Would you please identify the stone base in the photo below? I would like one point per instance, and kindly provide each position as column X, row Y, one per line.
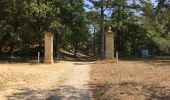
column 48, row 61
column 113, row 59
column 109, row 58
column 108, row 61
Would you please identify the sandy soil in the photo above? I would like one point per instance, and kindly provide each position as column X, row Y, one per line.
column 126, row 80
column 130, row 80
column 61, row 81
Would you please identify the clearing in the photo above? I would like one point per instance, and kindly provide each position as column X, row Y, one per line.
column 102, row 80
column 131, row 80
column 64, row 80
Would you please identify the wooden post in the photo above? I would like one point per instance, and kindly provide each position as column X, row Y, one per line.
column 117, row 57
column 38, row 57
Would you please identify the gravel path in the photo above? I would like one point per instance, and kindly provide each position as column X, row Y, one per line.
column 61, row 81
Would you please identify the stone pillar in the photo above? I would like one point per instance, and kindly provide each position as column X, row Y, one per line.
column 109, row 50
column 48, row 48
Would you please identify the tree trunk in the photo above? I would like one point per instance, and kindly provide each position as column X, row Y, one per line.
column 102, row 30
column 11, row 50
column 122, row 41
column 94, row 42
column 0, row 49
column 39, row 48
column 75, row 49
column 118, row 40
column 57, row 47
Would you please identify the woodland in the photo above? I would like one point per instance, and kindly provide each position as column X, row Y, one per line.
column 79, row 26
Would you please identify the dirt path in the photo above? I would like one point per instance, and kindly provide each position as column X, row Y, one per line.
column 61, row 81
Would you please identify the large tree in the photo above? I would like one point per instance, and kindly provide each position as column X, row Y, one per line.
column 26, row 21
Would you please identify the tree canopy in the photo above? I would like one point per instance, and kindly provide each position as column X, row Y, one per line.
column 137, row 24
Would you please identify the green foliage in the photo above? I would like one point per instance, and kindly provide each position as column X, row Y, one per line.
column 157, row 25
column 26, row 21
column 137, row 25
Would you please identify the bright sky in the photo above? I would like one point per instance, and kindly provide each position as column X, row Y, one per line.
column 87, row 2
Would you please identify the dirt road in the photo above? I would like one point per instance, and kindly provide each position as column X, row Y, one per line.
column 61, row 81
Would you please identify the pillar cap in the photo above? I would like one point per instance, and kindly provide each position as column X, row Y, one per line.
column 109, row 32
column 109, row 29
column 48, row 33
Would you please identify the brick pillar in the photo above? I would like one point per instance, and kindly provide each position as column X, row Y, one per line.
column 109, row 50
column 48, row 48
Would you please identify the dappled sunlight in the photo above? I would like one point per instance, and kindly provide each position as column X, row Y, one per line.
column 57, row 93
column 129, row 91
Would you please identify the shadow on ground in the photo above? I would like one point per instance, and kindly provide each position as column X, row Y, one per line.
column 83, row 63
column 129, row 90
column 60, row 93
column 119, row 91
column 17, row 60
column 158, row 62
